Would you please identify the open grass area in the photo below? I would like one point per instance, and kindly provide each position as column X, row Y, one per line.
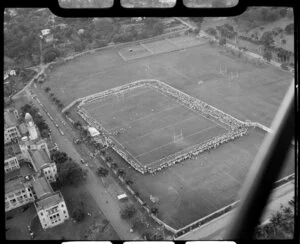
column 255, row 95
column 148, row 120
column 195, row 188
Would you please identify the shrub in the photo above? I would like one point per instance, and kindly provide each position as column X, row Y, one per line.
column 289, row 29
column 78, row 214
column 128, row 212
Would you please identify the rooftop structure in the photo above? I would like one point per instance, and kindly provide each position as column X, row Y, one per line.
column 14, row 184
column 12, row 175
column 41, row 187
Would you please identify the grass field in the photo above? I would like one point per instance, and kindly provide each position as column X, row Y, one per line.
column 195, row 188
column 198, row 187
column 150, row 120
column 256, row 95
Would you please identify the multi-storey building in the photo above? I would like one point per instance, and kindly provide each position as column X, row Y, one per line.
column 18, row 191
column 29, row 171
column 11, row 131
column 51, row 207
column 43, row 165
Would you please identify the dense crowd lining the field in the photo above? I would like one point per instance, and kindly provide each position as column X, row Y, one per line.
column 234, row 127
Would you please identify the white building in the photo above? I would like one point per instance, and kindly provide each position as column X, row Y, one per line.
column 52, row 210
column 11, row 164
column 33, row 132
column 45, row 32
column 93, row 131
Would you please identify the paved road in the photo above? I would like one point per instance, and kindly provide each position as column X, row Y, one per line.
column 103, row 194
column 214, row 230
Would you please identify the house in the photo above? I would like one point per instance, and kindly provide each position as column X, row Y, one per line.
column 49, row 38
column 45, row 32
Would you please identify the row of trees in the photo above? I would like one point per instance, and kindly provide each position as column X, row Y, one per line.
column 54, row 99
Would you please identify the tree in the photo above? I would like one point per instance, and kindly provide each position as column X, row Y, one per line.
column 51, row 94
column 121, row 172
column 108, row 159
column 45, row 133
column 222, row 41
column 267, row 55
column 59, row 157
column 129, row 182
column 267, row 39
column 78, row 214
column 50, row 55
column 102, row 172
column 198, row 21
column 154, row 210
column 289, row 29
column 114, row 165
column 211, row 31
column 77, row 125
column 128, row 212
column 70, row 173
column 47, row 89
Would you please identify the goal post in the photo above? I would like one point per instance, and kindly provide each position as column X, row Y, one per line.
column 177, row 137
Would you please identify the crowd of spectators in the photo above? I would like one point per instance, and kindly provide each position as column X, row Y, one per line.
column 235, row 128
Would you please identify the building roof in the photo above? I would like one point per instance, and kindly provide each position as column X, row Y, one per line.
column 41, row 187
column 93, row 131
column 40, row 158
column 33, row 134
column 14, row 185
column 12, row 175
column 11, row 150
column 49, row 201
column 9, row 119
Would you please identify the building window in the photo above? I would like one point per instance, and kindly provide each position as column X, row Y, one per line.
column 64, row 212
column 41, row 213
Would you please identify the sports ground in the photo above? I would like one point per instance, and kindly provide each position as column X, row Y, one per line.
column 192, row 189
column 151, row 124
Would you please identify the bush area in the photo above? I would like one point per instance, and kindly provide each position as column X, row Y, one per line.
column 22, row 30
